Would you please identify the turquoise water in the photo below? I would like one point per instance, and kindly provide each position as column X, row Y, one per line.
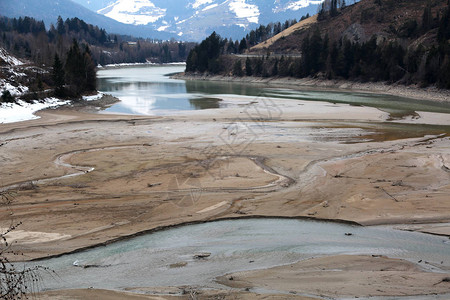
column 234, row 246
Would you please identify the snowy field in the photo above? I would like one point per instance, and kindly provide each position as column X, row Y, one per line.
column 22, row 111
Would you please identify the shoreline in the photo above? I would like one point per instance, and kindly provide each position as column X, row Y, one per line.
column 132, row 192
column 414, row 92
column 197, row 222
column 83, row 111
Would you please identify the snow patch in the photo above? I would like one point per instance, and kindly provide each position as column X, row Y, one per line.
column 296, row 5
column 13, row 90
column 199, row 3
column 163, row 28
column 136, row 12
column 22, row 111
column 93, row 97
column 244, row 10
column 210, row 7
column 10, row 60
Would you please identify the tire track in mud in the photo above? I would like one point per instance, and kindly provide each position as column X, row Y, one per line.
column 314, row 169
column 61, row 160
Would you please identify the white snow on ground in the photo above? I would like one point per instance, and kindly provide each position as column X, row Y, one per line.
column 22, row 111
column 139, row 64
column 14, row 90
column 245, row 10
column 10, row 72
column 93, row 97
column 12, row 61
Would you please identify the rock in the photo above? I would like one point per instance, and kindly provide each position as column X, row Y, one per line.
column 202, row 255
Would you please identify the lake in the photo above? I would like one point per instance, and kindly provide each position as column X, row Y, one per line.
column 149, row 90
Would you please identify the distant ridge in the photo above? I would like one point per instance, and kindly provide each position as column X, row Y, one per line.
column 194, row 20
column 49, row 10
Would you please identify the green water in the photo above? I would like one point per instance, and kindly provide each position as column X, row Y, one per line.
column 147, row 90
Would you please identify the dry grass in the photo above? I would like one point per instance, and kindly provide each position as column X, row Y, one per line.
column 300, row 25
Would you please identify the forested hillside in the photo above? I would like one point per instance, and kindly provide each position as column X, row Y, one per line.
column 28, row 38
column 374, row 40
column 62, row 60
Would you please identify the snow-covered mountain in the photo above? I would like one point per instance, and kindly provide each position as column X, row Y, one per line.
column 164, row 19
column 49, row 10
column 195, row 19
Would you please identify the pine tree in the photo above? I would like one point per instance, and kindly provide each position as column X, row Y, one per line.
column 80, row 70
column 275, row 68
column 427, row 19
column 6, row 97
column 237, row 68
column 248, row 67
column 90, row 76
column 74, row 68
column 58, row 77
column 192, row 61
column 243, row 45
column 60, row 26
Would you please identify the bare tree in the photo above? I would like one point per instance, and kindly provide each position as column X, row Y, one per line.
column 15, row 282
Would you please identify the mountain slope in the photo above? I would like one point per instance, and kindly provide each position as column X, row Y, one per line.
column 395, row 41
column 390, row 21
column 196, row 19
column 302, row 25
column 49, row 10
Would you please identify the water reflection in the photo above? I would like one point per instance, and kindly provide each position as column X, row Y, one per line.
column 205, row 103
column 147, row 90
column 221, row 88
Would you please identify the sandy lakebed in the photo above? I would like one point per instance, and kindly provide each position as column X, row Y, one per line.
column 82, row 179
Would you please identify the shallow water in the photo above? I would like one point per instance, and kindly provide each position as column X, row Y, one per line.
column 235, row 245
column 147, row 90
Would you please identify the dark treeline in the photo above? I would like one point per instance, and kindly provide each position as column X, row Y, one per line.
column 331, row 8
column 205, row 56
column 374, row 60
column 77, row 75
column 28, row 38
column 73, row 49
column 263, row 33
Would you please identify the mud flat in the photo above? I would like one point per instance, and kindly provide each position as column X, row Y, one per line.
column 82, row 179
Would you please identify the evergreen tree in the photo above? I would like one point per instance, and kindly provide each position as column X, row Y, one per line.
column 80, row 70
column 237, row 68
column 74, row 68
column 275, row 68
column 7, row 97
column 58, row 77
column 60, row 26
column 315, row 49
column 90, row 74
column 248, row 67
column 427, row 19
column 243, row 45
column 192, row 61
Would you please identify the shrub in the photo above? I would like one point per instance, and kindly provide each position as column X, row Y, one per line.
column 7, row 97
